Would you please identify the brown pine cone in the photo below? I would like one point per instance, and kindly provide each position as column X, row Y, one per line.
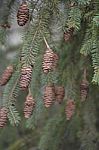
column 49, row 95
column 26, row 74
column 55, row 62
column 68, row 35
column 23, row 14
column 48, row 60
column 6, row 75
column 84, row 88
column 60, row 93
column 29, row 106
column 70, row 109
column 3, row 117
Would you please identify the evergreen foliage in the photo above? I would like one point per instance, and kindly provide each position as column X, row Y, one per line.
column 48, row 22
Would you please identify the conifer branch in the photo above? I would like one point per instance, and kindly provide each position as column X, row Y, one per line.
column 9, row 98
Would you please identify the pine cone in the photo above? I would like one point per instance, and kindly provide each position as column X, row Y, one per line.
column 55, row 62
column 60, row 93
column 3, row 117
column 70, row 108
column 68, row 35
column 26, row 74
column 49, row 95
column 48, row 61
column 23, row 14
column 84, row 88
column 29, row 106
column 6, row 75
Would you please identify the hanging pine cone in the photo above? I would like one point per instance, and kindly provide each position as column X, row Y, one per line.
column 26, row 74
column 55, row 62
column 68, row 35
column 60, row 93
column 6, row 75
column 48, row 60
column 23, row 14
column 3, row 117
column 29, row 106
column 70, row 108
column 49, row 95
column 84, row 87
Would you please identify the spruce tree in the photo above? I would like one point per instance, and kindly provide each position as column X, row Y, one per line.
column 57, row 65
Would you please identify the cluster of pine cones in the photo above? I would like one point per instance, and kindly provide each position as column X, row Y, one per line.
column 49, row 98
column 29, row 105
column 56, row 93
column 52, row 93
